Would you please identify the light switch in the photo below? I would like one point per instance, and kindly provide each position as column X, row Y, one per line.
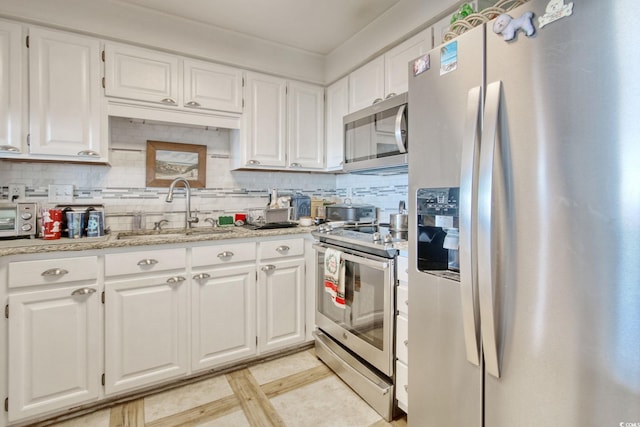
column 60, row 193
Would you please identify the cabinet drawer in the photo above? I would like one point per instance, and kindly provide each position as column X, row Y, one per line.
column 402, row 386
column 52, row 271
column 281, row 248
column 226, row 253
column 403, row 269
column 402, row 339
column 144, row 261
column 402, row 302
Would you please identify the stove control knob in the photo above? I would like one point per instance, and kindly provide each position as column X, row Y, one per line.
column 387, row 238
column 376, row 236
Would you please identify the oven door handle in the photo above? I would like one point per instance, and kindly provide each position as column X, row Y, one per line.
column 381, row 265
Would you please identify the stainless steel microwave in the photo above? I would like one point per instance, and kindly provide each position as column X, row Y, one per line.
column 375, row 138
column 17, row 219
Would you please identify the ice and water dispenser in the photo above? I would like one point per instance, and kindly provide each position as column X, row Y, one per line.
column 437, row 215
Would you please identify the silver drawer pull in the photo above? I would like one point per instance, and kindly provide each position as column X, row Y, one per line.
column 147, row 261
column 9, row 148
column 253, row 162
column 225, row 254
column 296, row 165
column 268, row 268
column 406, row 342
column 88, row 153
column 192, row 104
column 83, row 291
column 201, row 276
column 175, row 279
column 168, row 101
column 283, row 248
column 55, row 272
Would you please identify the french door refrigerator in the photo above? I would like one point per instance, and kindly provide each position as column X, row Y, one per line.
column 541, row 135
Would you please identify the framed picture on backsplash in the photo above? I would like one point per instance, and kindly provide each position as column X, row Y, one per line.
column 167, row 161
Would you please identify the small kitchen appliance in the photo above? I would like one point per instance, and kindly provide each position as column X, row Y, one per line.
column 18, row 219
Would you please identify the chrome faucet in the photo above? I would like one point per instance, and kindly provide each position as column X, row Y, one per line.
column 188, row 219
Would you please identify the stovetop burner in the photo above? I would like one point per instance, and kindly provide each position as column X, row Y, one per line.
column 370, row 238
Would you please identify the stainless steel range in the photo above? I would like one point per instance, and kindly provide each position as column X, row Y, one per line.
column 356, row 339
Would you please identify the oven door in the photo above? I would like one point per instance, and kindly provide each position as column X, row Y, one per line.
column 365, row 324
column 8, row 220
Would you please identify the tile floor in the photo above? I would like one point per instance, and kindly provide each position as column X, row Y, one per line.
column 295, row 390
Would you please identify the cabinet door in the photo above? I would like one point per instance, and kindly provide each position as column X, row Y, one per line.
column 65, row 108
column 11, row 89
column 54, row 350
column 141, row 74
column 146, row 331
column 366, row 85
column 280, row 304
column 212, row 86
column 337, row 108
column 305, row 112
column 397, row 62
column 265, row 120
column 222, row 315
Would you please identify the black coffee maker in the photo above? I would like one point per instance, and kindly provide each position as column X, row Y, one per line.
column 437, row 216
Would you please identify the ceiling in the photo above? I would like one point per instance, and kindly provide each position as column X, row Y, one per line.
column 317, row 26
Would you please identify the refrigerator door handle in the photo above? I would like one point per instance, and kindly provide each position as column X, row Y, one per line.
column 399, row 133
column 467, row 201
column 484, row 249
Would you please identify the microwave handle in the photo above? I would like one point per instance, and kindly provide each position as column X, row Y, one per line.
column 399, row 115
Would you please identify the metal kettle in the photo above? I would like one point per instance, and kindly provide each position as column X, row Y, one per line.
column 399, row 221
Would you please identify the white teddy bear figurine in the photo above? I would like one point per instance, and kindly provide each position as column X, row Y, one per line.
column 508, row 26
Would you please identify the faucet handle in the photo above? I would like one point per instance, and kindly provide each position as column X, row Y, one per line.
column 158, row 225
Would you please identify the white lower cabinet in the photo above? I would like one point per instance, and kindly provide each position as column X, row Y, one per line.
column 146, row 331
column 54, row 337
column 402, row 335
column 146, row 318
column 223, row 304
column 281, row 294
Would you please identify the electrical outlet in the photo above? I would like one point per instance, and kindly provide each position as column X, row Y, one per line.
column 60, row 193
column 16, row 192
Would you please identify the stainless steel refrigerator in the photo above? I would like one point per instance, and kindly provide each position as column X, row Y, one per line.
column 541, row 134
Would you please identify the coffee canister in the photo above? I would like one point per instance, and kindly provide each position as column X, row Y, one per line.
column 95, row 224
column 51, row 223
column 75, row 224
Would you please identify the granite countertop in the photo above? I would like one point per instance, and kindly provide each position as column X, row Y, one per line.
column 132, row 239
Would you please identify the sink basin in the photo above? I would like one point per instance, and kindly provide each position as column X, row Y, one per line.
column 170, row 234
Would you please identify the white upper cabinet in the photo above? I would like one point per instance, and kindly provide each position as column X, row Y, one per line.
column 337, row 106
column 396, row 62
column 65, row 100
column 366, row 84
column 283, row 125
column 212, row 86
column 142, row 74
column 305, row 106
column 388, row 74
column 11, row 89
column 146, row 75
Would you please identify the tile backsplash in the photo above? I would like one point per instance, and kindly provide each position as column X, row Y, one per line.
column 121, row 187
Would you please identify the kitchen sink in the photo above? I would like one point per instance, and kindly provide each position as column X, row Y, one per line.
column 169, row 234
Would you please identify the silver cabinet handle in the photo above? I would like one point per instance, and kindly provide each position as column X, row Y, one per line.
column 168, row 101
column 375, row 101
column 406, row 343
column 83, row 291
column 192, row 104
column 147, row 261
column 88, row 153
column 253, row 162
column 296, row 165
column 9, row 148
column 406, row 302
column 225, row 254
column 268, row 268
column 391, row 95
column 406, row 388
column 175, row 279
column 201, row 276
column 283, row 248
column 54, row 272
